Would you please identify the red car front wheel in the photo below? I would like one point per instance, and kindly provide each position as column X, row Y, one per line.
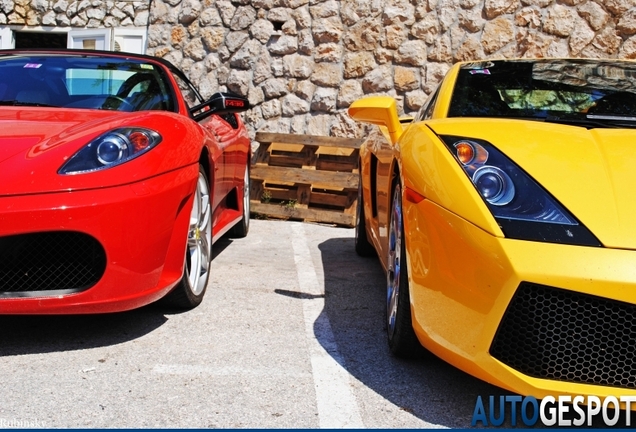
column 196, row 272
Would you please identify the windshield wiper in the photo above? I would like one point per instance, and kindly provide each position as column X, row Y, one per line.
column 611, row 117
column 18, row 103
column 589, row 122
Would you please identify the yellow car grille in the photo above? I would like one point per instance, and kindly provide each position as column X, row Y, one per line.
column 567, row 336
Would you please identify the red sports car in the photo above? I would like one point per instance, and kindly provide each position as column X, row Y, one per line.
column 115, row 179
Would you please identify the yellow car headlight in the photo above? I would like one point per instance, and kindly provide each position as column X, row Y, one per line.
column 522, row 208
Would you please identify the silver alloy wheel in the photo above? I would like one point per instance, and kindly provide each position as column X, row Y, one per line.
column 199, row 239
column 394, row 261
column 246, row 196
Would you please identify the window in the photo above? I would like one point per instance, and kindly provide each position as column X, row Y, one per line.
column 95, row 82
column 124, row 39
column 426, row 112
column 546, row 89
column 190, row 95
column 81, row 81
column 6, row 38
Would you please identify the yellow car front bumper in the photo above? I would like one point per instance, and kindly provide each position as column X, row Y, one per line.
column 535, row 318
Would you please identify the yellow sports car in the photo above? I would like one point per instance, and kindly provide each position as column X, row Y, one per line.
column 504, row 214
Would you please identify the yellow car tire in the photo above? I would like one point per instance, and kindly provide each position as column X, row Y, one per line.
column 401, row 337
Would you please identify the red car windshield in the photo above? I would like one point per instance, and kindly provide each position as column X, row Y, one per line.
column 92, row 82
column 596, row 93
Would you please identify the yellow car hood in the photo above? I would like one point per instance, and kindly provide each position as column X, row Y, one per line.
column 591, row 172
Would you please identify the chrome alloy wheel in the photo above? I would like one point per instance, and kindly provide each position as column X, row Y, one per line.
column 246, row 196
column 199, row 239
column 394, row 261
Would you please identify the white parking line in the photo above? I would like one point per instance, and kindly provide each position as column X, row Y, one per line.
column 337, row 405
column 189, row 369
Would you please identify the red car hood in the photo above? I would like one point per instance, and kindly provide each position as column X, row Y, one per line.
column 32, row 131
column 36, row 142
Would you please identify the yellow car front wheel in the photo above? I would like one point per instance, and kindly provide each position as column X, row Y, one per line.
column 401, row 337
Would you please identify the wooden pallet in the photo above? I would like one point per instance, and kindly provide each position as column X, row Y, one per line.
column 305, row 177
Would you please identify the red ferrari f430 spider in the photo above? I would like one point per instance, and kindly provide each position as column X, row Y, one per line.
column 116, row 177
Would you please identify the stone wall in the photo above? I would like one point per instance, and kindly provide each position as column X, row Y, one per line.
column 302, row 62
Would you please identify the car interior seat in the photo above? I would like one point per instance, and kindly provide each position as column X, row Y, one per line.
column 33, row 97
column 143, row 92
column 478, row 101
column 41, row 88
column 619, row 104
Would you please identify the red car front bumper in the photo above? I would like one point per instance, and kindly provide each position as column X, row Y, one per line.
column 142, row 228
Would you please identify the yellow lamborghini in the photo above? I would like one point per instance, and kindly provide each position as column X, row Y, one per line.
column 504, row 215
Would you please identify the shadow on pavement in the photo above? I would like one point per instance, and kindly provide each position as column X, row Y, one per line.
column 32, row 334
column 428, row 388
column 27, row 334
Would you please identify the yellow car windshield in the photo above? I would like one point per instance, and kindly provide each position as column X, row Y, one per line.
column 589, row 90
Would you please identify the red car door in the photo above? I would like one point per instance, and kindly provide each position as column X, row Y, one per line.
column 220, row 133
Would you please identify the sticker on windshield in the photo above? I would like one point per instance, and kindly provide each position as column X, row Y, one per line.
column 32, row 65
column 478, row 65
column 145, row 66
column 480, row 71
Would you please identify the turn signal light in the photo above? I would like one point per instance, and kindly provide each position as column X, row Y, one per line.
column 465, row 152
column 411, row 196
column 139, row 140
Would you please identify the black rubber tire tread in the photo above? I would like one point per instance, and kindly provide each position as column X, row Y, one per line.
column 364, row 248
column 182, row 297
column 403, row 343
column 241, row 229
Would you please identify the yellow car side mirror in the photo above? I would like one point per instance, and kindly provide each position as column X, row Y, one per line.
column 378, row 110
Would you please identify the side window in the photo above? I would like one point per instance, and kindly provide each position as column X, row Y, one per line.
column 189, row 94
column 426, row 112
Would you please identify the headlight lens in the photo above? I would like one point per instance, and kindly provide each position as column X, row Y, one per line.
column 110, row 149
column 494, row 185
column 516, row 200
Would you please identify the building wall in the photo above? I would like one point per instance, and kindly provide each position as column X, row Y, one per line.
column 302, row 62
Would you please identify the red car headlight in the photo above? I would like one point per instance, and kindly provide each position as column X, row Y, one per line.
column 111, row 149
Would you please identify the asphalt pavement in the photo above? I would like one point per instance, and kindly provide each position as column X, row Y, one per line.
column 289, row 335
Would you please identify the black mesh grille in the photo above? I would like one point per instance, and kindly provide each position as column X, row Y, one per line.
column 567, row 336
column 50, row 261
